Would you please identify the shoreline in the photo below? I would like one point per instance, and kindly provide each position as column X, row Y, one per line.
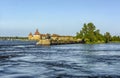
column 57, row 42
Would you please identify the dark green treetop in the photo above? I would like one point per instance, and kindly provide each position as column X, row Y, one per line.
column 90, row 34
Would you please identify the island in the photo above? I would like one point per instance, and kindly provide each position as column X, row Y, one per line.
column 54, row 39
column 88, row 34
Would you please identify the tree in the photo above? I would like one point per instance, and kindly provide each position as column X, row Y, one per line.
column 90, row 34
column 87, row 32
column 99, row 36
column 107, row 37
column 115, row 38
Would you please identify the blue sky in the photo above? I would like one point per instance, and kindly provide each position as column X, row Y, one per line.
column 65, row 17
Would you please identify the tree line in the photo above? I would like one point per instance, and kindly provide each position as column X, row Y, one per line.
column 89, row 34
column 13, row 38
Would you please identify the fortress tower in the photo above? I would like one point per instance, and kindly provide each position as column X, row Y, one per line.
column 30, row 36
column 36, row 35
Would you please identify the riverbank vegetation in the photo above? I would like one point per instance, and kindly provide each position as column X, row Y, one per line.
column 14, row 38
column 89, row 34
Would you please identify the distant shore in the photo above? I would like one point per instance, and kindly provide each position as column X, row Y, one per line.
column 14, row 38
column 53, row 42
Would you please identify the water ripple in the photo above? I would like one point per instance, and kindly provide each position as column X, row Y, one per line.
column 23, row 59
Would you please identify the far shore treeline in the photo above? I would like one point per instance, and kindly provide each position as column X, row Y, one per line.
column 89, row 34
column 14, row 38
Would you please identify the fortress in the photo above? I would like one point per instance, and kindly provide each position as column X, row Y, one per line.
column 37, row 36
column 48, row 39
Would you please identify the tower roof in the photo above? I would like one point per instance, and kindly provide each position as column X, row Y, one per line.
column 30, row 34
column 37, row 32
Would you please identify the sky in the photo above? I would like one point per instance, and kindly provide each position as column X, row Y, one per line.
column 64, row 17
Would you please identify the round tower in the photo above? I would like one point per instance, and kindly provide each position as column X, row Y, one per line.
column 36, row 35
column 30, row 36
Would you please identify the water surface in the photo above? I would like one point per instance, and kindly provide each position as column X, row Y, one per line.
column 23, row 59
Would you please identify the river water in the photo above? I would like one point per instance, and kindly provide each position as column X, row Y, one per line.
column 24, row 59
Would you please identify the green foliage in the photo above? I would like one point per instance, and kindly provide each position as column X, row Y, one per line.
column 90, row 34
column 13, row 38
column 115, row 38
column 107, row 37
